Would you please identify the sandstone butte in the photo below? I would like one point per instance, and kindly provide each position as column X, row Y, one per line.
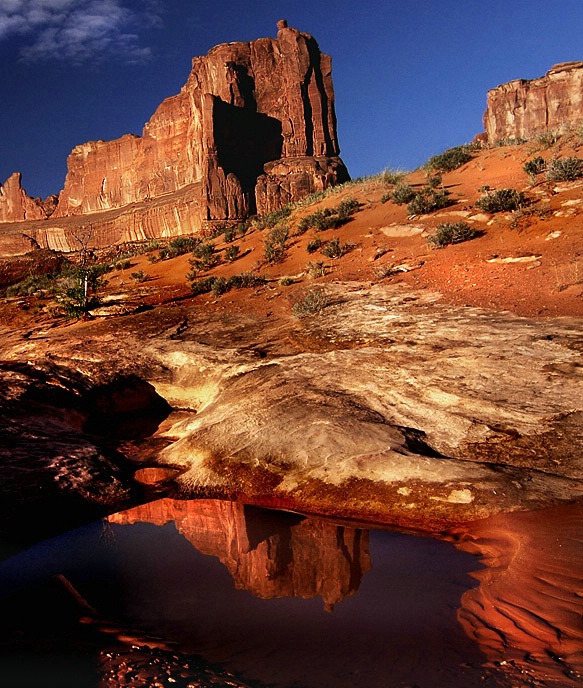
column 253, row 128
column 521, row 109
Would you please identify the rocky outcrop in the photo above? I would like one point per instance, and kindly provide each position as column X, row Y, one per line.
column 520, row 109
column 244, row 105
column 252, row 129
column 17, row 205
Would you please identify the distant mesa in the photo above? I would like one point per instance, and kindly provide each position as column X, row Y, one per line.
column 522, row 109
column 253, row 128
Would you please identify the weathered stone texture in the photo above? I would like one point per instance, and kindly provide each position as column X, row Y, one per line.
column 252, row 129
column 520, row 109
column 17, row 205
column 243, row 105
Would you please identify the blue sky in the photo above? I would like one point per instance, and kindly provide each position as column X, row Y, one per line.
column 410, row 76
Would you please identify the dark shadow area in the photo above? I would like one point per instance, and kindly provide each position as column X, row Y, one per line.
column 245, row 141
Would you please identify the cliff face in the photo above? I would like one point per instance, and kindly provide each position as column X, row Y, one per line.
column 521, row 109
column 16, row 205
column 252, row 129
column 244, row 105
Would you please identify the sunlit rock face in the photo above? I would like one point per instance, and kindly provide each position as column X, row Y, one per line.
column 16, row 205
column 520, row 109
column 271, row 554
column 244, row 105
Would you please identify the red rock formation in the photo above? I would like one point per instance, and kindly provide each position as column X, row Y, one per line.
column 244, row 105
column 521, row 109
column 271, row 554
column 253, row 128
column 17, row 205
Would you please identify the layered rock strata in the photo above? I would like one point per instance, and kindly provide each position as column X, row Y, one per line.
column 252, row 129
column 520, row 109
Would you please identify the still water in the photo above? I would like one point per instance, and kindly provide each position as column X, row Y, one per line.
column 208, row 593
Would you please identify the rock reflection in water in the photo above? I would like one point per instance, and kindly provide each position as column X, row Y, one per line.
column 268, row 553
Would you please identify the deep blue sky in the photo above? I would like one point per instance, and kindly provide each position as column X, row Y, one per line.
column 410, row 76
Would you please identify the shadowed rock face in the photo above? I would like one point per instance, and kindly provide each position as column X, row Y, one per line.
column 252, row 129
column 521, row 109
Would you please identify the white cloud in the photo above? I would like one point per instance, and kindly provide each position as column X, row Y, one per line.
column 77, row 30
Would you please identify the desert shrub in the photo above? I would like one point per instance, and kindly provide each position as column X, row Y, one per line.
column 452, row 233
column 242, row 227
column 564, row 169
column 231, row 253
column 286, row 281
column 546, row 139
column 314, row 244
column 275, row 244
column 316, row 270
column 229, row 234
column 500, row 201
column 123, row 264
column 347, row 208
column 434, row 180
column 245, row 280
column 140, row 276
column 450, row 160
column 427, row 200
column 271, row 219
column 220, row 285
column 178, row 247
column 534, row 166
column 387, row 196
column 33, row 284
column 312, row 302
column 202, row 286
column 403, row 194
column 204, row 256
column 390, row 176
column 334, row 249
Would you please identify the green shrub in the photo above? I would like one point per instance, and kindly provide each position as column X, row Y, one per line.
column 450, row 160
column 123, row 264
column 204, row 256
column 33, row 284
column 433, row 181
column 202, row 286
column 427, row 200
column 313, row 302
column 500, row 201
column 178, row 247
column 452, row 233
column 286, row 281
column 140, row 276
column 334, row 249
column 220, row 285
column 390, row 176
column 271, row 219
column 314, row 244
column 564, row 170
column 347, row 208
column 275, row 244
column 534, row 166
column 232, row 253
column 403, row 194
column 230, row 234
column 245, row 280
column 316, row 270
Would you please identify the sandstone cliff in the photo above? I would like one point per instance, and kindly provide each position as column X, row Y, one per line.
column 521, row 109
column 252, row 129
column 17, row 205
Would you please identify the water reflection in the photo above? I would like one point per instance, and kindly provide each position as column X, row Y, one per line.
column 271, row 554
column 213, row 593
